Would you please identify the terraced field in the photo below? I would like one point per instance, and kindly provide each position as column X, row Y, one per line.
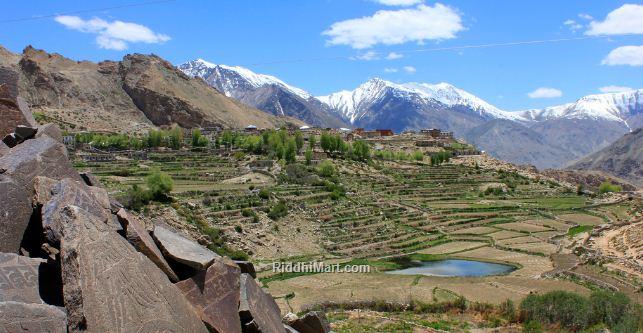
column 390, row 209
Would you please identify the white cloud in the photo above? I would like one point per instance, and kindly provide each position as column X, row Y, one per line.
column 545, row 92
column 391, row 27
column 614, row 89
column 627, row 19
column 625, row 55
column 573, row 25
column 113, row 35
column 409, row 69
column 393, row 56
column 367, row 56
column 390, row 70
column 399, row 2
column 585, row 16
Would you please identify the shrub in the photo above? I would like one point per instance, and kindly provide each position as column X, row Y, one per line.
column 238, row 228
column 278, row 211
column 607, row 187
column 326, row 169
column 159, row 184
column 557, row 307
column 264, row 194
column 608, row 307
column 136, row 198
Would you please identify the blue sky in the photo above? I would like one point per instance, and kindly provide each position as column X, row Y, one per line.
column 329, row 45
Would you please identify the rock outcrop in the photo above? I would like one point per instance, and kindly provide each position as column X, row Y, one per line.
column 74, row 260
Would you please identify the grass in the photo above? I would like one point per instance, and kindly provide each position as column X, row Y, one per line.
column 573, row 231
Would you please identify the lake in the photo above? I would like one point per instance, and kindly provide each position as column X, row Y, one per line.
column 455, row 267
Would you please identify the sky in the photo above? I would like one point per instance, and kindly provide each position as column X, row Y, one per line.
column 324, row 46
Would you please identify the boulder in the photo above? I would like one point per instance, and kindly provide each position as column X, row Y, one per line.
column 138, row 236
column 50, row 130
column 110, row 287
column 69, row 192
column 13, row 109
column 25, row 133
column 42, row 156
column 183, row 250
column 312, row 322
column 16, row 317
column 15, row 214
column 11, row 140
column 289, row 329
column 257, row 309
column 214, row 294
column 90, row 179
column 19, row 278
column 247, row 267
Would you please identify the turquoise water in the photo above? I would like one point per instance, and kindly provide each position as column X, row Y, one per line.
column 455, row 267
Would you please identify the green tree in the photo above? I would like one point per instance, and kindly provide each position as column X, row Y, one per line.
column 312, row 140
column 309, row 156
column 361, row 150
column 325, row 142
column 159, row 184
column 299, row 140
column 607, row 187
column 290, row 153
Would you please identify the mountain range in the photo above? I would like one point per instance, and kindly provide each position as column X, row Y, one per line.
column 137, row 93
column 550, row 137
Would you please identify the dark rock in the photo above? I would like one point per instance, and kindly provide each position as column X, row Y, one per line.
column 50, row 130
column 110, row 287
column 90, row 179
column 69, row 192
column 258, row 310
column 13, row 109
column 183, row 250
column 214, row 294
column 15, row 214
column 312, row 322
column 19, row 278
column 247, row 267
column 25, row 133
column 11, row 140
column 38, row 157
column 138, row 236
column 16, row 317
column 289, row 329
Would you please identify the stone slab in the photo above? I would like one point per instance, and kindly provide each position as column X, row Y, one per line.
column 214, row 294
column 110, row 287
column 16, row 317
column 312, row 322
column 19, row 278
column 257, row 309
column 183, row 250
column 137, row 235
column 42, row 156
column 15, row 214
column 50, row 130
column 69, row 192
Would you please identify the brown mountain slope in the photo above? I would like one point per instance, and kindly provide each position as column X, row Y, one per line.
column 138, row 93
column 623, row 158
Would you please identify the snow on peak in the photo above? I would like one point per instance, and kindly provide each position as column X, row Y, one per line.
column 348, row 102
column 611, row 106
column 204, row 69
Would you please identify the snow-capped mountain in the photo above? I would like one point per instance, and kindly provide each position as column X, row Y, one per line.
column 352, row 105
column 264, row 92
column 549, row 137
column 624, row 107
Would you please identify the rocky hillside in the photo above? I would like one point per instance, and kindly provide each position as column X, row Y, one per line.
column 72, row 259
column 623, row 158
column 139, row 92
column 264, row 92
